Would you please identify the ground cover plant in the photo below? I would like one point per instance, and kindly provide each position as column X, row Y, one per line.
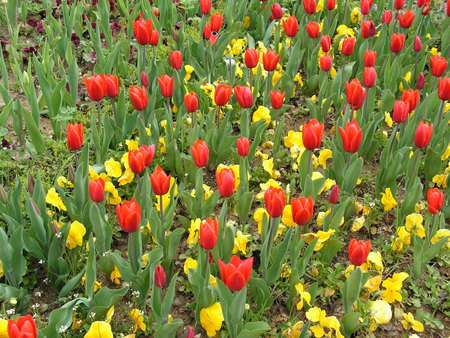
column 240, row 168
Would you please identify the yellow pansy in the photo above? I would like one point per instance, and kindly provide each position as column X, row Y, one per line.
column 355, row 15
column 76, row 323
column 410, row 323
column 434, row 51
column 194, row 231
column 211, row 319
column 392, row 287
column 109, row 314
column 441, row 233
column 53, row 199
column 162, row 145
column 268, row 166
column 189, row 69
column 287, row 219
column 127, row 177
column 298, row 79
column 240, row 243
column 262, row 113
column 358, row 223
column 115, row 276
column 388, row 119
column 440, row 180
column 294, row 138
column 375, row 259
column 138, row 320
column 132, row 144
column 319, row 6
column 388, row 199
column 373, row 283
column 99, row 330
column 75, row 236
column 113, row 196
column 303, row 294
column 446, row 153
column 113, row 168
column 407, row 78
column 190, row 263
column 381, row 311
column 275, row 77
column 294, row 331
column 93, row 175
column 315, row 314
column 258, row 216
column 64, row 182
column 414, row 224
column 3, row 328
column 324, row 156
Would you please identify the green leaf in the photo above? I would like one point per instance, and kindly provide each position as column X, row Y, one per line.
column 91, row 274
column 71, row 284
column 350, row 323
column 254, row 329
column 330, row 249
column 169, row 330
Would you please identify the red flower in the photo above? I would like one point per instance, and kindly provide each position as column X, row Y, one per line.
column 244, row 96
column 369, row 77
column 406, row 19
column 370, row 57
column 309, row 6
column 129, row 215
column 351, row 136
column 112, row 85
column 144, row 79
column 386, row 17
column 312, row 134
column 209, row 231
column 325, row 42
column 358, row 251
column 302, row 209
column 438, row 65
column 154, row 37
column 222, row 95
column 97, row 190
column 243, row 146
column 136, row 160
column 274, row 200
column 139, row 97
column 397, row 41
column 74, row 136
column 444, row 88
column 365, row 7
column 313, row 29
column 417, row 44
column 191, row 102
column 95, row 86
column 216, row 22
column 190, row 333
column 435, row 199
column 143, row 31
column 277, row 12
column 277, row 98
column 368, row 29
column 225, row 182
column 200, row 153
column 166, row 85
column 251, row 58
column 290, row 26
column 331, row 4
column 326, row 62
column 447, row 9
column 236, row 273
column 400, row 112
column 160, row 181
column 207, row 31
column 411, row 97
column 159, row 276
column 205, row 6
column 355, row 93
column 398, row 4
column 176, row 59
column 270, row 60
column 149, row 153
column 426, row 8
column 348, row 46
column 334, row 194
column 420, row 81
column 423, row 134
column 213, row 39
column 22, row 327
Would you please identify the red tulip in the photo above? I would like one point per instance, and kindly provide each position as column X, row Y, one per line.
column 207, row 31
column 159, row 276
column 325, row 42
column 358, row 251
column 417, row 44
column 22, row 327
column 370, row 57
column 365, row 7
column 216, row 22
column 411, row 97
column 225, row 182
column 368, row 29
column 143, row 31
column 213, row 38
column 97, row 190
column 209, row 231
column 176, row 59
column 302, row 209
column 274, row 200
column 309, row 6
column 251, row 58
column 398, row 4
column 277, row 98
column 205, row 6
column 326, row 62
column 243, row 146
column 277, row 11
column 351, row 136
column 334, row 194
column 270, row 60
column 290, row 26
column 129, row 215
column 447, row 9
column 74, row 136
column 435, row 199
column 348, row 46
column 200, row 153
column 423, row 134
column 149, row 153
column 112, row 85
column 369, row 77
column 444, row 88
column 139, row 97
column 190, row 333
column 401, row 111
column 160, row 181
column 236, row 273
column 144, row 79
column 222, row 95
column 386, row 17
column 166, row 85
column 313, row 29
column 136, row 161
column 191, row 102
column 426, row 8
column 244, row 96
column 312, row 134
column 397, row 41
column 154, row 37
column 96, row 86
column 420, row 81
column 438, row 65
column 355, row 93
column 406, row 19
column 331, row 4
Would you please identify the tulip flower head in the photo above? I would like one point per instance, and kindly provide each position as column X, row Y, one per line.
column 129, row 215
column 139, row 97
column 325, row 42
column 225, row 180
column 355, row 93
column 358, row 251
column 136, row 160
column 191, row 102
column 411, row 97
column 417, row 44
column 397, row 42
column 96, row 86
column 420, row 83
column 277, row 11
column 370, row 57
column 406, row 19
column 205, row 6
column 74, row 136
column 270, row 60
column 222, row 95
column 216, row 21
column 243, row 146
column 400, row 112
column 154, row 38
column 159, row 276
column 302, row 209
column 435, row 199
column 166, row 85
column 209, row 231
column 236, row 274
column 143, row 31
column 369, row 77
column 331, row 4
column 277, row 98
column 290, row 26
column 97, row 190
column 348, row 46
column 312, row 134
column 149, row 153
column 423, row 134
column 176, row 59
column 334, row 194
column 274, row 201
column 351, row 136
column 200, row 153
column 22, row 327
column 112, row 85
column 438, row 65
column 326, row 62
column 368, row 29
column 386, row 17
column 160, row 181
column 444, row 88
column 309, row 6
column 313, row 29
column 251, row 58
column 244, row 96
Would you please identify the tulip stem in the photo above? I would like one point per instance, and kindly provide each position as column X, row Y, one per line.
column 163, row 231
column 391, row 146
column 309, row 162
column 76, row 159
column 267, row 95
column 413, row 171
column 343, row 74
column 345, row 11
column 218, row 116
column 206, row 277
column 439, row 117
column 250, row 79
column 132, row 252
column 415, row 67
column 348, row 161
column 99, row 112
column 270, row 244
column 114, row 110
column 138, row 179
column 364, row 112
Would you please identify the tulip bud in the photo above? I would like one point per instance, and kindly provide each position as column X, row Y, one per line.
column 160, row 276
column 358, row 251
column 420, row 81
column 209, row 231
column 30, row 183
column 369, row 77
column 423, row 134
column 277, row 12
column 348, row 46
column 243, row 146
column 71, row 173
column 25, row 79
column 386, row 17
column 144, row 79
column 35, row 206
column 175, row 36
column 334, row 194
column 435, row 199
column 325, row 42
column 326, row 62
column 274, row 201
column 417, row 44
column 190, row 333
column 3, row 195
